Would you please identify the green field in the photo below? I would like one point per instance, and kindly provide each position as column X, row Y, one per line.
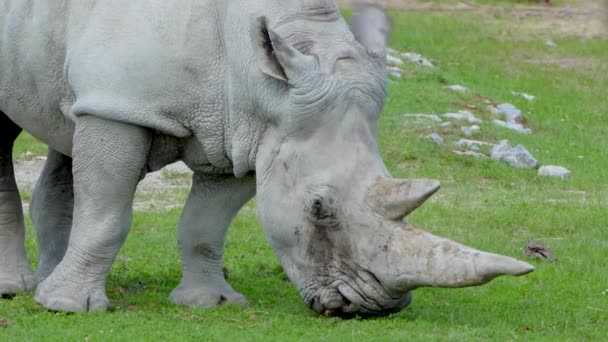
column 484, row 204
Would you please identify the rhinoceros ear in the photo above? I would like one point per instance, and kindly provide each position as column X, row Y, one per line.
column 276, row 57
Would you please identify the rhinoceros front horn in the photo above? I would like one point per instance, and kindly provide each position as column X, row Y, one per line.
column 416, row 258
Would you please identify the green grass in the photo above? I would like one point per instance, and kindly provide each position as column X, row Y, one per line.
column 483, row 204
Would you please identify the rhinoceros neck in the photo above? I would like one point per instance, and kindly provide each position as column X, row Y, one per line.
column 253, row 99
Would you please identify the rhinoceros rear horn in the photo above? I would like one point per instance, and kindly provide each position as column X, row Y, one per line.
column 276, row 57
column 396, row 198
column 371, row 25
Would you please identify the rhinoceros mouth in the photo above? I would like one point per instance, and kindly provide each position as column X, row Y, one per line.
column 347, row 300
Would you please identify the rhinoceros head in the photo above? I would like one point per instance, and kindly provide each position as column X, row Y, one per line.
column 328, row 205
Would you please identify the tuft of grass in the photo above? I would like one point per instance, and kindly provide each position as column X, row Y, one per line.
column 484, row 204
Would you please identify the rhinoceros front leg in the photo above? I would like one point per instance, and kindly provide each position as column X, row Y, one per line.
column 108, row 161
column 51, row 211
column 15, row 272
column 212, row 204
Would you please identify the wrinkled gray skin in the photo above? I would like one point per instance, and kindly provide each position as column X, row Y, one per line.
column 274, row 98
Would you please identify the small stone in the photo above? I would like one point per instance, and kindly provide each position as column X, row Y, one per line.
column 418, row 59
column 436, row 138
column 463, row 115
column 474, row 145
column 470, row 154
column 513, row 126
column 528, row 97
column 550, row 43
column 392, row 60
column 509, row 111
column 605, row 292
column 468, row 131
column 394, row 71
column 516, row 156
column 392, row 52
column 459, row 88
column 537, row 250
column 554, row 171
column 430, row 117
column 446, row 124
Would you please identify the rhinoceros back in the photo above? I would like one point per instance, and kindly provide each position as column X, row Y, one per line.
column 155, row 64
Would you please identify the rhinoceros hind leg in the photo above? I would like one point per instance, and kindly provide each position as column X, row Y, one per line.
column 212, row 204
column 15, row 272
column 109, row 159
column 51, row 210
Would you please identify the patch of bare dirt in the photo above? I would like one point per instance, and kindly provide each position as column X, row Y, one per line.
column 585, row 18
column 150, row 190
column 567, row 62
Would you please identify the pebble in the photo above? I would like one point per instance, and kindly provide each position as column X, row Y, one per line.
column 394, row 71
column 550, row 43
column 470, row 154
column 513, row 126
column 392, row 60
column 431, row 117
column 459, row 88
column 446, row 124
column 554, row 171
column 517, row 156
column 468, row 131
column 392, row 52
column 509, row 111
column 528, row 97
column 463, row 115
column 474, row 145
column 436, row 138
column 418, row 59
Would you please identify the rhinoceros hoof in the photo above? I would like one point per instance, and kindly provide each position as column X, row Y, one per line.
column 11, row 284
column 206, row 296
column 70, row 297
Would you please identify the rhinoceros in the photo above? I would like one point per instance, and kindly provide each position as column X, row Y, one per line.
column 273, row 98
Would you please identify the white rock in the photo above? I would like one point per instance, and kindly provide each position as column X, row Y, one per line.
column 392, row 52
column 394, row 71
column 392, row 60
column 463, row 115
column 474, row 145
column 446, row 124
column 509, row 111
column 554, row 171
column 470, row 154
column 459, row 88
column 468, row 131
column 528, row 97
column 418, row 59
column 431, row 117
column 516, row 156
column 512, row 125
column 436, row 138
column 550, row 43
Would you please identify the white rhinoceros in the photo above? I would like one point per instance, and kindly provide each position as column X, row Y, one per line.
column 273, row 98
